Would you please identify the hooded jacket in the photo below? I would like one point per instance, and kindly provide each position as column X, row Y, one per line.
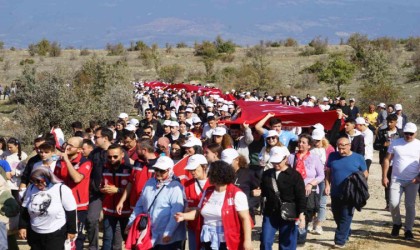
column 357, row 141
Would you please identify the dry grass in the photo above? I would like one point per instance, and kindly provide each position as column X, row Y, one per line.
column 285, row 61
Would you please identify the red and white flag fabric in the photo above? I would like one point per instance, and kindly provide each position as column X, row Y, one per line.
column 252, row 112
column 180, row 172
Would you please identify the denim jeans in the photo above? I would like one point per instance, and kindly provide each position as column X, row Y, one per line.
column 177, row 245
column 110, row 229
column 397, row 188
column 322, row 214
column 287, row 233
column 81, row 222
column 343, row 215
column 192, row 244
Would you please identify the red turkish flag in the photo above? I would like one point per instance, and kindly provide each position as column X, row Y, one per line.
column 180, row 172
column 291, row 116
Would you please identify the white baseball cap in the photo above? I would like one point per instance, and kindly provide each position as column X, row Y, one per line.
column 196, row 119
column 210, row 114
column 325, row 99
column 195, row 161
column 352, row 99
column 319, row 126
column 192, row 141
column 123, row 116
column 313, row 98
column 277, row 154
column 410, row 128
column 219, row 131
column 382, row 105
column 272, row 133
column 174, row 124
column 130, row 127
column 228, row 155
column 360, row 121
column 224, row 108
column 398, row 107
column 134, row 121
column 318, row 134
column 167, row 123
column 189, row 110
column 164, row 163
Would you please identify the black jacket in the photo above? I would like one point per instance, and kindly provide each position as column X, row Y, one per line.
column 28, row 169
column 291, row 188
column 245, row 180
column 380, row 140
column 355, row 190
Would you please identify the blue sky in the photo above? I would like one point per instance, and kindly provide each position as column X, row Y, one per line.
column 93, row 23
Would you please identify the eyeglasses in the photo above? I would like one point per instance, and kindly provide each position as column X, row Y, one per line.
column 271, row 138
column 408, row 134
column 175, row 149
column 110, row 157
column 160, row 171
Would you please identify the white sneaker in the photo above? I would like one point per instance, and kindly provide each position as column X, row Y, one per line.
column 310, row 227
column 318, row 230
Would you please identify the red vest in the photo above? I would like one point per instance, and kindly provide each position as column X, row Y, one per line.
column 230, row 218
column 139, row 176
column 80, row 190
column 193, row 199
column 118, row 178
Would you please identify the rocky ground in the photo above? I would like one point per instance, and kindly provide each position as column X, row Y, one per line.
column 370, row 228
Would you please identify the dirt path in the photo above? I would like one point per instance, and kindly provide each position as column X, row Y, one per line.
column 370, row 228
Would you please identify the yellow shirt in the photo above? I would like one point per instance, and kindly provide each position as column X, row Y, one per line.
column 371, row 118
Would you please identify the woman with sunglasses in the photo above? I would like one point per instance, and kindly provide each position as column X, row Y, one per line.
column 310, row 166
column 281, row 184
column 272, row 140
column 16, row 159
column 48, row 214
column 223, row 210
column 162, row 197
column 323, row 149
column 197, row 165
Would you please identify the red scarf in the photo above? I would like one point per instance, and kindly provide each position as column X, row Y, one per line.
column 300, row 164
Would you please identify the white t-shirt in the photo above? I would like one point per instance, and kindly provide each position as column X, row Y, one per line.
column 202, row 184
column 46, row 208
column 406, row 158
column 212, row 211
column 368, row 138
column 18, row 166
column 39, row 164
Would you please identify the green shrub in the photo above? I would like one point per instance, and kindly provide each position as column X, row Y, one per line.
column 290, row 42
column 181, row 45
column 55, row 49
column 84, row 52
column 115, row 49
column 171, row 73
column 26, row 61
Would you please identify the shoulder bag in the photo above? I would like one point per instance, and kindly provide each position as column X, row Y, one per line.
column 287, row 209
column 144, row 220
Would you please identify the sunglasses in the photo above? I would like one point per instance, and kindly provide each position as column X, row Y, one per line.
column 271, row 138
column 409, row 134
column 110, row 157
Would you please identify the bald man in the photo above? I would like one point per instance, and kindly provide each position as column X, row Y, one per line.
column 74, row 169
column 340, row 165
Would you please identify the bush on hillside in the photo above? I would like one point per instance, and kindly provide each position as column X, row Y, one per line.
column 115, row 49
column 98, row 91
column 171, row 73
column 84, row 52
column 181, row 45
column 55, row 49
column 290, row 42
column 412, row 43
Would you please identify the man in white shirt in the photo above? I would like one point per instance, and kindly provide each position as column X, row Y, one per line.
column 367, row 134
column 405, row 154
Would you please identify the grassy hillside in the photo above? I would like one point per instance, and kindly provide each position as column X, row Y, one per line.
column 286, row 62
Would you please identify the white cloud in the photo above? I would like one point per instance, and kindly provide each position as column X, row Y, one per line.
column 342, row 34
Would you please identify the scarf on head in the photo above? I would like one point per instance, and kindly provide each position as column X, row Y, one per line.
column 161, row 183
column 300, row 163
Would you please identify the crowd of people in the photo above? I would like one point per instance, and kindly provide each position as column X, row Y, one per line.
column 126, row 174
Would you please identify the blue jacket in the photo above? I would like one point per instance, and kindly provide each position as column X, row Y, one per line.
column 170, row 201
